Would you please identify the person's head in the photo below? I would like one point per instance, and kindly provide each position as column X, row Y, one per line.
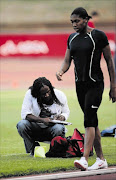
column 43, row 90
column 79, row 19
column 95, row 16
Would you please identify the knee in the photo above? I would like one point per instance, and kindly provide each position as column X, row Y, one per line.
column 59, row 130
column 21, row 126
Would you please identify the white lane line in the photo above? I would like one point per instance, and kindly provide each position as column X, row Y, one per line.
column 66, row 175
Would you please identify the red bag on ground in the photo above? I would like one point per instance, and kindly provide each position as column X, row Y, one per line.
column 67, row 147
column 79, row 139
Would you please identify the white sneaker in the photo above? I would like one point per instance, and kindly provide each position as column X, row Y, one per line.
column 81, row 164
column 99, row 164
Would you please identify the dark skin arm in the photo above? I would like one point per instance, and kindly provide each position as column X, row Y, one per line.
column 65, row 65
column 46, row 121
column 32, row 118
column 110, row 66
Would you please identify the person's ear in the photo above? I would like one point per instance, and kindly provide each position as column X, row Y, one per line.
column 86, row 19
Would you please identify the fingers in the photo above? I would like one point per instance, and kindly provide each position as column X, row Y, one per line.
column 56, row 117
column 47, row 120
column 59, row 76
column 61, row 118
column 112, row 94
column 113, row 99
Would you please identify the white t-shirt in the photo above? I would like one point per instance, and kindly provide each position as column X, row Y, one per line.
column 30, row 106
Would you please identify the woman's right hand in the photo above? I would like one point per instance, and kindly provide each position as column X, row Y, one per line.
column 59, row 75
column 46, row 121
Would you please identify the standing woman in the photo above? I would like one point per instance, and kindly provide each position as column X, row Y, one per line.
column 85, row 48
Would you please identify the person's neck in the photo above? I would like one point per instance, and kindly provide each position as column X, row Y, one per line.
column 89, row 29
column 84, row 31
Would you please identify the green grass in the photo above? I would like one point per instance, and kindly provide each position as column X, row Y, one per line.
column 13, row 159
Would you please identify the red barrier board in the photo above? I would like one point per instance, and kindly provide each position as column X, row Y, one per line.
column 49, row 45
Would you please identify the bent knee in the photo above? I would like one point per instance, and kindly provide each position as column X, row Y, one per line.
column 59, row 130
column 21, row 126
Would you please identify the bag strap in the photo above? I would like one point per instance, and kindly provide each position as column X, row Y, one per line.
column 78, row 132
column 72, row 142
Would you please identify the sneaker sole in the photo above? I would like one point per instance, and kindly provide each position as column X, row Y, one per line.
column 79, row 166
column 98, row 168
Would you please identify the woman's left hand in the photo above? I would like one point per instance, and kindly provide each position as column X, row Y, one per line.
column 59, row 117
column 112, row 94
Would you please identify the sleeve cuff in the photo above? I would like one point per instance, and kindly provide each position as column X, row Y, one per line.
column 23, row 116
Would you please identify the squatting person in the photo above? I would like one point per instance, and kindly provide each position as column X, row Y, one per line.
column 42, row 103
column 85, row 48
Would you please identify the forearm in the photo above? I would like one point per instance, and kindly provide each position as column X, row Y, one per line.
column 33, row 118
column 65, row 66
column 110, row 65
column 67, row 62
column 111, row 71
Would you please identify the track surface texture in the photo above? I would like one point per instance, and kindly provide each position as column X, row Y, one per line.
column 19, row 73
